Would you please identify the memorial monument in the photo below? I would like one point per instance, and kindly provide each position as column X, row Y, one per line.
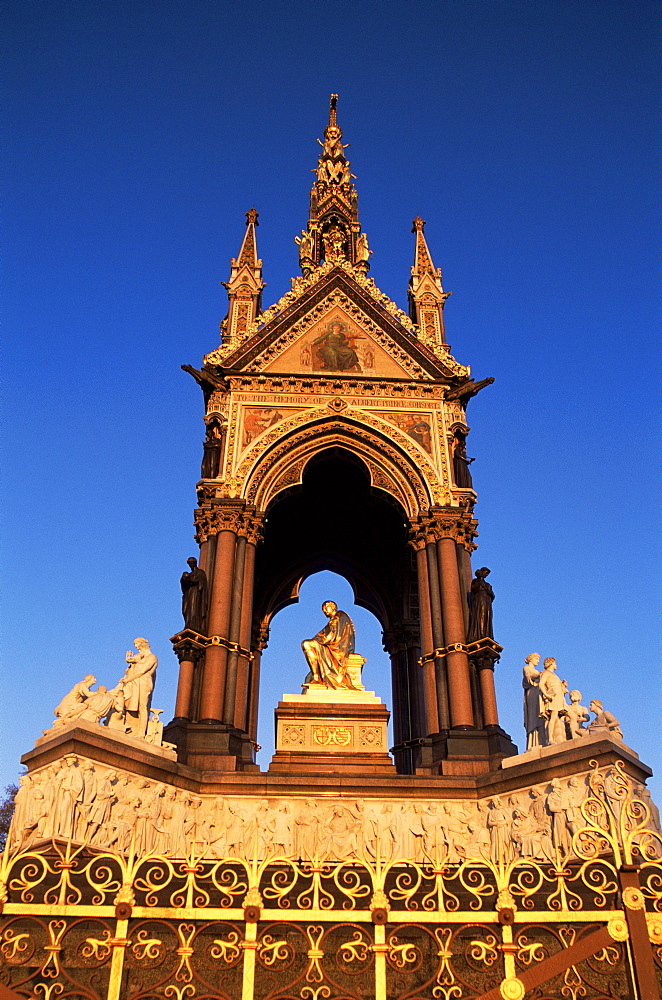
column 148, row 862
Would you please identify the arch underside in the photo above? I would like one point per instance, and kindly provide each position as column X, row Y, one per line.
column 333, row 517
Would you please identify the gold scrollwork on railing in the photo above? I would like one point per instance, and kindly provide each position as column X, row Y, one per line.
column 98, row 948
column 314, row 954
column 226, row 951
column 14, row 945
column 271, row 951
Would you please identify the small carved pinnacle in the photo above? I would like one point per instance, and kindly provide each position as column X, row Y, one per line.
column 418, row 225
column 252, row 216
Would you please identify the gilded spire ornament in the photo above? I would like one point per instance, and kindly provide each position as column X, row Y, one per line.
column 333, row 234
column 245, row 285
column 426, row 294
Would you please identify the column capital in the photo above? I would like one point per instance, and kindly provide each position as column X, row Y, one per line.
column 484, row 653
column 214, row 516
column 188, row 645
column 252, row 526
column 444, row 522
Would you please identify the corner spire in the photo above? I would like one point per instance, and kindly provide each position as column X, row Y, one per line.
column 333, row 233
column 245, row 285
column 426, row 294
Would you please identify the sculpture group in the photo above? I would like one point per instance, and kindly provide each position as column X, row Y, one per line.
column 124, row 709
column 549, row 719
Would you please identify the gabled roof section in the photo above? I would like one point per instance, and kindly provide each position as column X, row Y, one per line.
column 377, row 319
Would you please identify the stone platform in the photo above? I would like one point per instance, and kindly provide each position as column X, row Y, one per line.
column 330, row 731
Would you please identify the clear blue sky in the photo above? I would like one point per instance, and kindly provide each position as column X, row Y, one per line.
column 138, row 133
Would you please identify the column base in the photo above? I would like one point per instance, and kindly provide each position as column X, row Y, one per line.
column 460, row 751
column 211, row 746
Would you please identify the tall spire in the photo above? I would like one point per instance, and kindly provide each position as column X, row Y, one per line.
column 333, row 233
column 245, row 285
column 426, row 294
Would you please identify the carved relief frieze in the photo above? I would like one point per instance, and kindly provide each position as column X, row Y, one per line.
column 112, row 809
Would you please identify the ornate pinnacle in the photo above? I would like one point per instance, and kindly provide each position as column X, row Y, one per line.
column 252, row 216
column 418, row 225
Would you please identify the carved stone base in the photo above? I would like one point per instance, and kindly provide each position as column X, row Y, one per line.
column 211, row 746
column 326, row 731
column 462, row 751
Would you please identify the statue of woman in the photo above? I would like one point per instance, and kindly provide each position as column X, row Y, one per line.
column 480, row 607
column 533, row 722
column 327, row 654
column 305, row 244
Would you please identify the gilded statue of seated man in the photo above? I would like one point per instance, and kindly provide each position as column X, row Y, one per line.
column 328, row 653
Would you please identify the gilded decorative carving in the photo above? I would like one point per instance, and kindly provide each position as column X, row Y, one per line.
column 371, row 736
column 293, row 735
column 332, row 736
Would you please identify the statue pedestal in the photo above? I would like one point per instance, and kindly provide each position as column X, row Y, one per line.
column 325, row 731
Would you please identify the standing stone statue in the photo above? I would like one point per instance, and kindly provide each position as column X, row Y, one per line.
column 212, row 449
column 481, row 596
column 136, row 686
column 328, row 653
column 194, row 596
column 533, row 722
column 461, row 463
column 552, row 690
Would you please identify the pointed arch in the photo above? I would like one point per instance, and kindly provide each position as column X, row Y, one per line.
column 390, row 468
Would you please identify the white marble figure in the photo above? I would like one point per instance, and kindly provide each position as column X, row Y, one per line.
column 73, row 703
column 576, row 715
column 69, row 795
column 136, row 687
column 557, row 804
column 498, row 825
column 604, row 722
column 552, row 691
